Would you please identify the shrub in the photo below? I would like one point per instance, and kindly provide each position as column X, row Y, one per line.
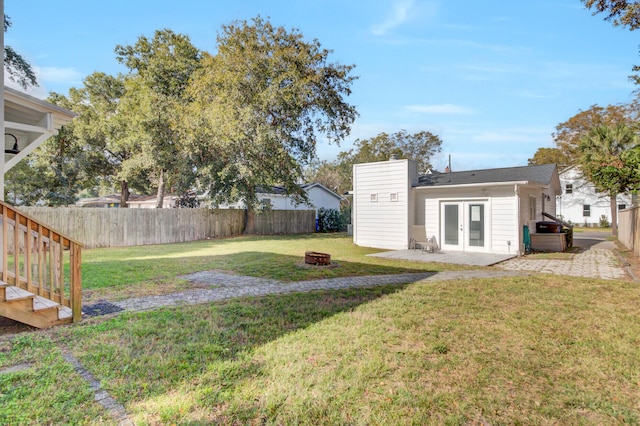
column 604, row 221
column 329, row 220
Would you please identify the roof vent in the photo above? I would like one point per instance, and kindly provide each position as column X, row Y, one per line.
column 394, row 157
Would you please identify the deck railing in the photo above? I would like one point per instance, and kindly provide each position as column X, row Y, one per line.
column 40, row 260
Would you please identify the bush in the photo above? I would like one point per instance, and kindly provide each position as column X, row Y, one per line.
column 329, row 220
column 604, row 221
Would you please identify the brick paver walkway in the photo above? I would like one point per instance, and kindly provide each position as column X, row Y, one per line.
column 593, row 263
column 228, row 286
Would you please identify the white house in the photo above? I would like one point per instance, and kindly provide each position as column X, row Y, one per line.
column 580, row 203
column 474, row 211
column 276, row 197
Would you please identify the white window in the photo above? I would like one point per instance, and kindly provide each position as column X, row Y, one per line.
column 374, row 198
column 393, row 196
column 586, row 210
column 568, row 189
column 532, row 208
column 622, row 206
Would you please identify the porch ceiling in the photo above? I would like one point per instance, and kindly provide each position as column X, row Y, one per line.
column 31, row 121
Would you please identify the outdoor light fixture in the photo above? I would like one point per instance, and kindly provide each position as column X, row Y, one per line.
column 15, row 150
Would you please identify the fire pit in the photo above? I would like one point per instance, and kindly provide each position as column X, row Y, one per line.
column 315, row 258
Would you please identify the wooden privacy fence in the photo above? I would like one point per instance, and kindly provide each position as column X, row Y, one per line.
column 114, row 227
column 628, row 229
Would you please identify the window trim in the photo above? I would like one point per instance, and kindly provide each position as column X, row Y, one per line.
column 568, row 188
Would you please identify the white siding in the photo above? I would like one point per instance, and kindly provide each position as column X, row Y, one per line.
column 382, row 223
column 570, row 206
column 320, row 198
column 504, row 221
column 501, row 213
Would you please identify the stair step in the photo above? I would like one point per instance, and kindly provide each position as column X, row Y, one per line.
column 16, row 293
column 32, row 309
column 65, row 313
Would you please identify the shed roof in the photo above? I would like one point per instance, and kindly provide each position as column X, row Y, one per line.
column 534, row 174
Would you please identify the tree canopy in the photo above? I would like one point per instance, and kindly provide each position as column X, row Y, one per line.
column 603, row 162
column 419, row 147
column 154, row 92
column 620, row 12
column 258, row 108
column 549, row 156
column 569, row 134
column 18, row 69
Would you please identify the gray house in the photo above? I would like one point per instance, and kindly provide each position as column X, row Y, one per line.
column 471, row 211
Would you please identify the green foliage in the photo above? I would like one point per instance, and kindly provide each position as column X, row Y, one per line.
column 604, row 221
column 18, row 69
column 329, row 220
column 260, row 104
column 155, row 90
column 569, row 134
column 188, row 200
column 603, row 162
column 621, row 12
column 419, row 147
column 549, row 156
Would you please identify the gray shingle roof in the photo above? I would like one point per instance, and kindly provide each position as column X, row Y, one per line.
column 539, row 174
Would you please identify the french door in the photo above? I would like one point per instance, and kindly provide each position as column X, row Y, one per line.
column 464, row 225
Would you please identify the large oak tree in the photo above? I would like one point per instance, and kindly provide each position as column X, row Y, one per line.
column 260, row 106
column 161, row 68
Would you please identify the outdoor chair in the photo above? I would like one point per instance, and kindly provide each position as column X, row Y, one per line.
column 431, row 246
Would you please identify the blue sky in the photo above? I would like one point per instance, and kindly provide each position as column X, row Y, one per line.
column 492, row 79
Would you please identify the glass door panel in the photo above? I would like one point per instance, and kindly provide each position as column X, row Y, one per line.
column 451, row 224
column 476, row 225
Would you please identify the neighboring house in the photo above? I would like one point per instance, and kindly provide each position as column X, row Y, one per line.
column 276, row 197
column 150, row 201
column 135, row 201
column 476, row 210
column 581, row 204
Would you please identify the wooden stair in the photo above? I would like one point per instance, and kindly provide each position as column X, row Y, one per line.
column 28, row 308
column 40, row 272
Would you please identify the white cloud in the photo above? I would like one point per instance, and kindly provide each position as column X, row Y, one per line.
column 439, row 109
column 403, row 12
column 398, row 17
column 58, row 75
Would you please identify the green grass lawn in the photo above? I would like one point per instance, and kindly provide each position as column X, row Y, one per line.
column 540, row 349
column 145, row 268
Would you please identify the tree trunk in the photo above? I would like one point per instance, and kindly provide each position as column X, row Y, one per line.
column 614, row 214
column 161, row 185
column 249, row 223
column 124, row 194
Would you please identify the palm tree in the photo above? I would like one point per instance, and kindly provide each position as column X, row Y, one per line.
column 602, row 163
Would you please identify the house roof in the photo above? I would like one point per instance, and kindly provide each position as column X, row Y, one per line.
column 534, row 174
column 280, row 190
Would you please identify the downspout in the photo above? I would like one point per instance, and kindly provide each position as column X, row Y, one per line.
column 516, row 191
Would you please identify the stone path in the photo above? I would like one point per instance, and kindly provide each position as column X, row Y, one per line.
column 592, row 263
column 228, row 286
